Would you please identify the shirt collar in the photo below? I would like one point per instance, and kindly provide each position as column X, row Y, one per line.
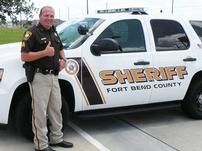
column 42, row 28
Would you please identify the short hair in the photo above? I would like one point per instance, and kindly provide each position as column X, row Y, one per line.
column 44, row 8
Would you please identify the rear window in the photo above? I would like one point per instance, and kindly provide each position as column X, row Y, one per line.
column 197, row 25
column 169, row 35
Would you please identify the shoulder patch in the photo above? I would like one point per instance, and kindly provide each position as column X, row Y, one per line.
column 27, row 35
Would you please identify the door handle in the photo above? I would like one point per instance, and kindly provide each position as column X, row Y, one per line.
column 142, row 63
column 189, row 59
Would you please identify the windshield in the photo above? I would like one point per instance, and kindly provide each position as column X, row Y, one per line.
column 197, row 25
column 69, row 34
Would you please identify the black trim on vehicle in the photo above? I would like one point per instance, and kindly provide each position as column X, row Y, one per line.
column 126, row 109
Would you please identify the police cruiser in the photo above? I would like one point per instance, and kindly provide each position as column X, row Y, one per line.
column 118, row 61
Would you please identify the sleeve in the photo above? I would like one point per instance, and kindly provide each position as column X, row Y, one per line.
column 61, row 45
column 60, row 42
column 27, row 41
column 58, row 37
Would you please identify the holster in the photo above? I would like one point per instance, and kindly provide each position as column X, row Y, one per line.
column 29, row 72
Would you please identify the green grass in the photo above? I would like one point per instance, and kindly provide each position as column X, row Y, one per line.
column 9, row 35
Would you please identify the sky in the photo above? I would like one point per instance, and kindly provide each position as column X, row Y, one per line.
column 68, row 9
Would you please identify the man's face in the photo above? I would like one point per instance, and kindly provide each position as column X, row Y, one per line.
column 46, row 17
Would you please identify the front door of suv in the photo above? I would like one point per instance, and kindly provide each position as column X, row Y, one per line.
column 174, row 60
column 118, row 75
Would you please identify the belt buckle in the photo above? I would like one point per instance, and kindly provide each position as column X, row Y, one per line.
column 37, row 70
column 47, row 71
column 50, row 71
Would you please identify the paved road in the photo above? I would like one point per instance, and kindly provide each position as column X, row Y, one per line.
column 162, row 130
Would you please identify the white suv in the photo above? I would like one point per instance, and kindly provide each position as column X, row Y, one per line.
column 118, row 61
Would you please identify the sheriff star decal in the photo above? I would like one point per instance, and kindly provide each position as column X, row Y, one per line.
column 27, row 35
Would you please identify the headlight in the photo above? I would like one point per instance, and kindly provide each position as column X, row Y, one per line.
column 1, row 73
column 72, row 66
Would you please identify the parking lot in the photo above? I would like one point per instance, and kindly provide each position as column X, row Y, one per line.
column 162, row 130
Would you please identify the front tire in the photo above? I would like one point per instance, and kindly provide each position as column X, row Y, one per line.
column 23, row 118
column 192, row 104
column 65, row 113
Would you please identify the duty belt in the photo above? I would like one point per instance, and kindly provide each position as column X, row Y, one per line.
column 47, row 71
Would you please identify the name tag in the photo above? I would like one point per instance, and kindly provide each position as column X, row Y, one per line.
column 43, row 38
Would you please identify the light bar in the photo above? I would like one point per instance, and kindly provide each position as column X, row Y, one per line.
column 121, row 10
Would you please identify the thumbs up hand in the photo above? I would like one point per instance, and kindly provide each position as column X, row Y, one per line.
column 50, row 51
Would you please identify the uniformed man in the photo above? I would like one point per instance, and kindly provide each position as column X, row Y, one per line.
column 42, row 49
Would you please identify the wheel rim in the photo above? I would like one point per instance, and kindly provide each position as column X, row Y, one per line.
column 199, row 102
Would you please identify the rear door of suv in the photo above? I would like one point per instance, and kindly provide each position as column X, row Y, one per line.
column 174, row 60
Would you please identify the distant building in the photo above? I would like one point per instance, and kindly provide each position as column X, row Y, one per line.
column 8, row 24
column 26, row 23
column 56, row 22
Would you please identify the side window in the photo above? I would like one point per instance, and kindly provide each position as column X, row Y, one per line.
column 169, row 35
column 127, row 33
column 197, row 25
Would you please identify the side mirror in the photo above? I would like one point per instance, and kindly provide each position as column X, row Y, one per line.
column 103, row 46
column 95, row 49
column 82, row 29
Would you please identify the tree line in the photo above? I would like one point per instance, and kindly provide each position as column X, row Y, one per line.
column 13, row 8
